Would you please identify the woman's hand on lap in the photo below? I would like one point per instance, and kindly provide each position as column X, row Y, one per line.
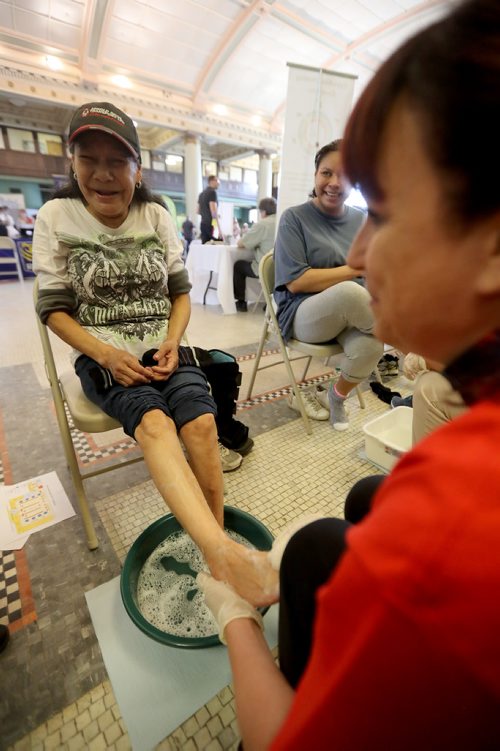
column 125, row 368
column 167, row 359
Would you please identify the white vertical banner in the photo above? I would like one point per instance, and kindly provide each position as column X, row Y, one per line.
column 317, row 107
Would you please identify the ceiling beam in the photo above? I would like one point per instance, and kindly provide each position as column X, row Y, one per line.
column 228, row 44
column 376, row 33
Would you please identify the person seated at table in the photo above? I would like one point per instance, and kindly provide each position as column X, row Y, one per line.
column 8, row 221
column 389, row 630
column 236, row 230
column 260, row 239
column 319, row 296
column 112, row 285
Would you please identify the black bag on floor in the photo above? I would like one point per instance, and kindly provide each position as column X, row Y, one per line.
column 224, row 376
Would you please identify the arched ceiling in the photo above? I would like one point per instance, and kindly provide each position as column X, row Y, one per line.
column 217, row 68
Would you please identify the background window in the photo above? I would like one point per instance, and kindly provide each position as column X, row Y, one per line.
column 209, row 168
column 21, row 140
column 236, row 173
column 250, row 176
column 174, row 163
column 50, row 144
column 146, row 158
column 158, row 163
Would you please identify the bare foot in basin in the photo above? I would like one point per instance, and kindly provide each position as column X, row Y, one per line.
column 249, row 572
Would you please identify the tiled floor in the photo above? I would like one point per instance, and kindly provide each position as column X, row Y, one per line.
column 55, row 689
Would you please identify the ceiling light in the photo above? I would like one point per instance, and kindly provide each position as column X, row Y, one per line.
column 220, row 109
column 53, row 63
column 256, row 120
column 122, row 81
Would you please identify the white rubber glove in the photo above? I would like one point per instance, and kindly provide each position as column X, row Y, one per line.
column 278, row 548
column 413, row 365
column 225, row 603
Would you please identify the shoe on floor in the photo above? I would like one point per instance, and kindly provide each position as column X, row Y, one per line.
column 229, row 459
column 312, row 407
column 4, row 636
column 245, row 448
column 384, row 393
column 388, row 365
column 402, row 401
column 241, row 306
column 339, row 417
column 321, row 395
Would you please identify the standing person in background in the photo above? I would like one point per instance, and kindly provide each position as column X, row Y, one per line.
column 208, row 208
column 260, row 239
column 188, row 234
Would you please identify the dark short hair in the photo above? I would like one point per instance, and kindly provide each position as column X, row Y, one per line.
column 212, row 177
column 448, row 75
column 268, row 205
column 326, row 149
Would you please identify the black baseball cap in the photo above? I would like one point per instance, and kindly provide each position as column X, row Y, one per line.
column 109, row 119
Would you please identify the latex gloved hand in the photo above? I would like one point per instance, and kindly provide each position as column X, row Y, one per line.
column 413, row 365
column 225, row 604
column 278, row 548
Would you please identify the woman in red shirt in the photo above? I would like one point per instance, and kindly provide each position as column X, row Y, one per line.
column 390, row 629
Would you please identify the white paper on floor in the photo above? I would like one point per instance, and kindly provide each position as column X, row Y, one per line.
column 156, row 687
column 30, row 506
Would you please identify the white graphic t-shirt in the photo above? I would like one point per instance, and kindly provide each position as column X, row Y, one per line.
column 119, row 277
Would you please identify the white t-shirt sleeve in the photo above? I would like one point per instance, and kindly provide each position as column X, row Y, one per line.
column 50, row 262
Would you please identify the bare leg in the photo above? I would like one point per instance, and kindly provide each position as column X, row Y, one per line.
column 249, row 572
column 344, row 387
column 200, row 439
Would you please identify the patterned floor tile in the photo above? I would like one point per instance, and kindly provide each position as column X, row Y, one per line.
column 58, row 694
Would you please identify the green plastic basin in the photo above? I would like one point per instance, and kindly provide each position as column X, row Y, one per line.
column 235, row 520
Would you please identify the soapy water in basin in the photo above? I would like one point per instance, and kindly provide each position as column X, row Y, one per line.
column 167, row 593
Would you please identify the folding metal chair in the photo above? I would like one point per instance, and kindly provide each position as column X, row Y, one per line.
column 86, row 416
column 6, row 243
column 271, row 327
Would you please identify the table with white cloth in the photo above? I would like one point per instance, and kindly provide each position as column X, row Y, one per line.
column 210, row 269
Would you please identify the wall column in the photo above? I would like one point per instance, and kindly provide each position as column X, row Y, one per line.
column 265, row 175
column 193, row 183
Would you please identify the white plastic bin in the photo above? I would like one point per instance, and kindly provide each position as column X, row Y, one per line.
column 389, row 436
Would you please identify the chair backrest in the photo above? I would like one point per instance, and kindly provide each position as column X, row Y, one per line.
column 65, row 386
column 6, row 243
column 266, row 276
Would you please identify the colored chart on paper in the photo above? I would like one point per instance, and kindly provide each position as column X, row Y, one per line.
column 31, row 509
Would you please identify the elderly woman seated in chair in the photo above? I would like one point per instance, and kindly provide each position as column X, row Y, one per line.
column 113, row 285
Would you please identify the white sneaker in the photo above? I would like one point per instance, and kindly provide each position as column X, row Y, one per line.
column 313, row 408
column 229, row 459
column 321, row 395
